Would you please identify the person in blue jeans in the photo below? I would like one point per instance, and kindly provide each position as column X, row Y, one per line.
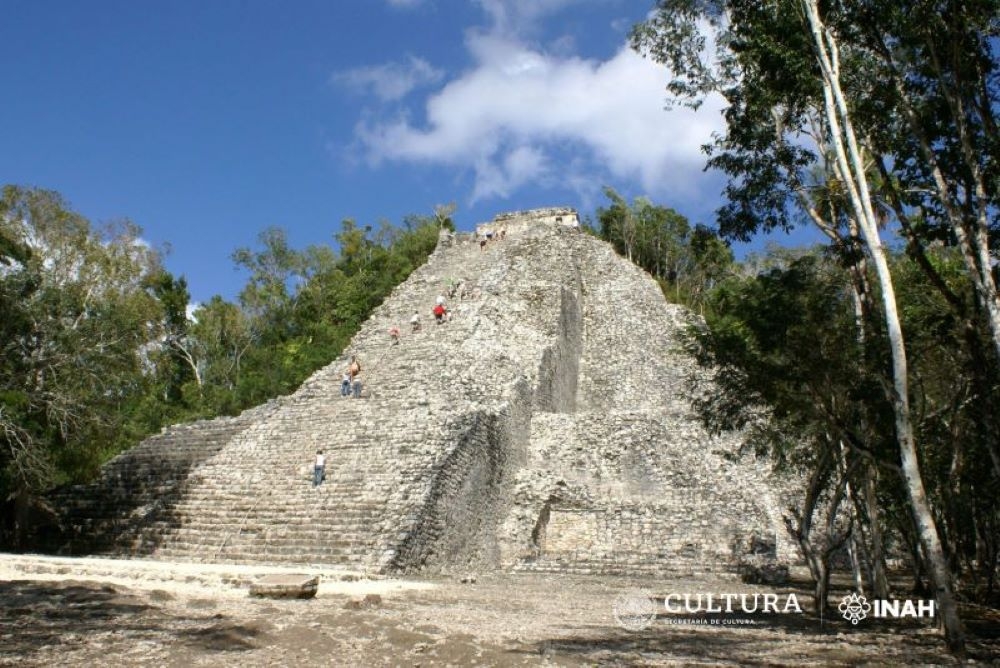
column 319, row 469
column 354, row 371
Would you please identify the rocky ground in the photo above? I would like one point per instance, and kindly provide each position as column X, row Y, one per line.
column 63, row 619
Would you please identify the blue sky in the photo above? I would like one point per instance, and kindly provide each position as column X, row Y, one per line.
column 205, row 122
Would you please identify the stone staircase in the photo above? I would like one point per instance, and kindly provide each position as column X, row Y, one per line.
column 543, row 428
column 242, row 489
column 139, row 484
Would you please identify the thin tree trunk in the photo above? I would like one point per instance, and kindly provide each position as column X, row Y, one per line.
column 801, row 530
column 854, row 543
column 975, row 245
column 980, row 365
column 831, row 540
column 854, row 178
column 880, row 582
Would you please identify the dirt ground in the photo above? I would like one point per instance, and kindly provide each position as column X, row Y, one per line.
column 510, row 620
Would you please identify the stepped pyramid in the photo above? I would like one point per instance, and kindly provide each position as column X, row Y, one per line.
column 544, row 428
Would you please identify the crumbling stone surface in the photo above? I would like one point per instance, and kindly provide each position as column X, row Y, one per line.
column 366, row 603
column 285, row 586
column 546, row 427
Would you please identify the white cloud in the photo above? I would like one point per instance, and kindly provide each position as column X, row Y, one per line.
column 515, row 115
column 520, row 16
column 517, row 167
column 524, row 115
column 403, row 4
column 391, row 81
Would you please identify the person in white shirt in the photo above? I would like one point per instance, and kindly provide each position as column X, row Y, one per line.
column 319, row 469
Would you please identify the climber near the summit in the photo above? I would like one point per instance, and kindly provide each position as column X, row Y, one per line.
column 440, row 312
column 415, row 322
column 319, row 469
column 355, row 371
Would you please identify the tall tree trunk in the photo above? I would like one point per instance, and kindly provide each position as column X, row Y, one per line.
column 850, row 164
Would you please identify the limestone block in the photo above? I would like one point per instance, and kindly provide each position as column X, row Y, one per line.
column 285, row 586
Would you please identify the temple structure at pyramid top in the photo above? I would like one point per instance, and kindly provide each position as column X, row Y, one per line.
column 544, row 427
column 520, row 221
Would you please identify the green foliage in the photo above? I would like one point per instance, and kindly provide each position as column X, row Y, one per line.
column 785, row 341
column 796, row 369
column 685, row 261
column 75, row 318
column 296, row 313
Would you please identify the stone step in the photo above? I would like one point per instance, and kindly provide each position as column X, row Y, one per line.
column 625, row 565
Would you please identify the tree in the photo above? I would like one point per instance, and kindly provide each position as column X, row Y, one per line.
column 780, row 67
column 853, row 174
column 180, row 365
column 221, row 339
column 76, row 319
column 936, row 122
column 783, row 344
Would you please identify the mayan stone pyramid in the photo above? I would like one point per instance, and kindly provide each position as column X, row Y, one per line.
column 544, row 428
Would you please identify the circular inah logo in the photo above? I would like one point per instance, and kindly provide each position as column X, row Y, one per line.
column 854, row 608
column 634, row 610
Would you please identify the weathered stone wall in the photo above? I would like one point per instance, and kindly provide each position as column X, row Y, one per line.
column 544, row 427
column 631, row 482
column 517, row 222
column 622, row 493
column 559, row 371
column 470, row 493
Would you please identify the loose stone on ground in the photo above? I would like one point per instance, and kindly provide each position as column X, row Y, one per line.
column 285, row 586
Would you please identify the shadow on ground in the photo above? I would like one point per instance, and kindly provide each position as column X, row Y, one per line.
column 785, row 639
column 38, row 616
